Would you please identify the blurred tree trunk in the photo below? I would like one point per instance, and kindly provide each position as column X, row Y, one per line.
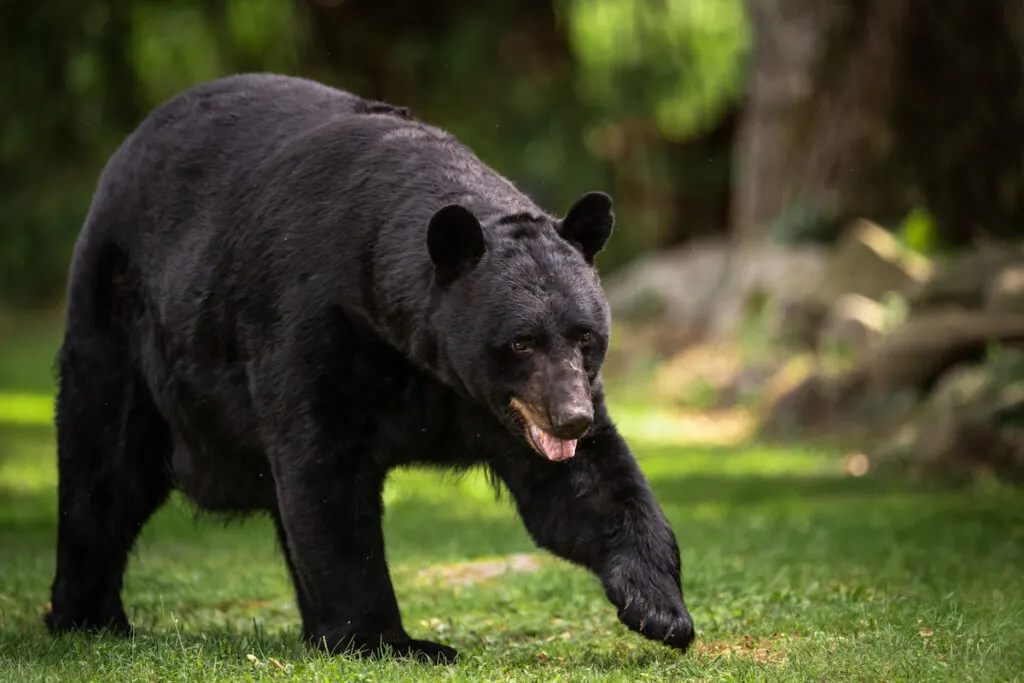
column 959, row 116
column 868, row 107
column 701, row 191
column 816, row 110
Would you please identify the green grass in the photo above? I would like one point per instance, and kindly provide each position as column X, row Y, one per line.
column 792, row 572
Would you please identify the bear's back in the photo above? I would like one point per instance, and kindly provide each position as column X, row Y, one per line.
column 218, row 157
column 257, row 194
column 196, row 174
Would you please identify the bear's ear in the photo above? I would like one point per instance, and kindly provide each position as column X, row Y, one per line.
column 455, row 242
column 589, row 224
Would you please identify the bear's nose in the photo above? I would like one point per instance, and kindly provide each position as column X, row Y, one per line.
column 573, row 422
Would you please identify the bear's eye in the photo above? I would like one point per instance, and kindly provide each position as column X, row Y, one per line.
column 585, row 338
column 522, row 345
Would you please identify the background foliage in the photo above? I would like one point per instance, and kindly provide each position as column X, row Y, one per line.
column 562, row 97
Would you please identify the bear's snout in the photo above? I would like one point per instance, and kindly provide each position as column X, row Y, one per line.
column 555, row 409
column 571, row 421
column 569, row 406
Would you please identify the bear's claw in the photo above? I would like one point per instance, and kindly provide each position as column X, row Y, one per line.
column 673, row 626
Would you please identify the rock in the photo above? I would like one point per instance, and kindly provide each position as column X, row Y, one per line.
column 934, row 398
column 963, row 281
column 868, row 262
column 801, row 410
column 636, row 346
column 696, row 369
column 797, row 323
column 884, row 386
column 797, row 370
column 962, row 427
column 896, row 454
column 674, row 286
column 853, row 322
column 746, row 385
column 955, row 451
column 958, row 387
column 711, row 376
column 917, row 353
column 768, row 272
column 705, row 288
column 1005, row 292
column 839, row 407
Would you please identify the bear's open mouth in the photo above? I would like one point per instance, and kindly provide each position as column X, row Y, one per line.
column 546, row 444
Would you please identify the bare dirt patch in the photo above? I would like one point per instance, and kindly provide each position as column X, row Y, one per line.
column 765, row 650
column 466, row 573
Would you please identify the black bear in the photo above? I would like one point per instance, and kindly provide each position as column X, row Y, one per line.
column 282, row 291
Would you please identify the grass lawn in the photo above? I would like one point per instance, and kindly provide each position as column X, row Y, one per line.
column 792, row 571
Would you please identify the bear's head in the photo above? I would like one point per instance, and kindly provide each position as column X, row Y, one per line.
column 522, row 322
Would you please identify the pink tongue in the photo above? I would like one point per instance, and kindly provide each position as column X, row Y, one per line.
column 554, row 448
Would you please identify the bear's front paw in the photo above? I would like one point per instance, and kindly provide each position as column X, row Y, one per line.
column 650, row 601
column 667, row 622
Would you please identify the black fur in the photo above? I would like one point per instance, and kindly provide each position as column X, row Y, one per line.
column 281, row 292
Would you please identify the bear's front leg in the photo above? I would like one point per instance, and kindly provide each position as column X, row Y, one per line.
column 597, row 510
column 331, row 512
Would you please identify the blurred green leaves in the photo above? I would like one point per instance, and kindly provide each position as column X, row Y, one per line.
column 680, row 61
column 563, row 96
column 177, row 45
column 918, row 232
column 173, row 47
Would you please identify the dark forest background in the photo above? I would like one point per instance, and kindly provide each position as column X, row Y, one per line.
column 833, row 180
column 770, row 119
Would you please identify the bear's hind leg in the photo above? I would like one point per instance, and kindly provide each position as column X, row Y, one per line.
column 303, row 602
column 329, row 518
column 113, row 449
column 330, row 524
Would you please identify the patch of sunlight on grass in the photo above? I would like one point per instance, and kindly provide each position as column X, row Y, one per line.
column 754, row 460
column 671, row 441
column 28, row 459
column 26, row 409
column 659, row 426
column 24, row 476
column 420, row 484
